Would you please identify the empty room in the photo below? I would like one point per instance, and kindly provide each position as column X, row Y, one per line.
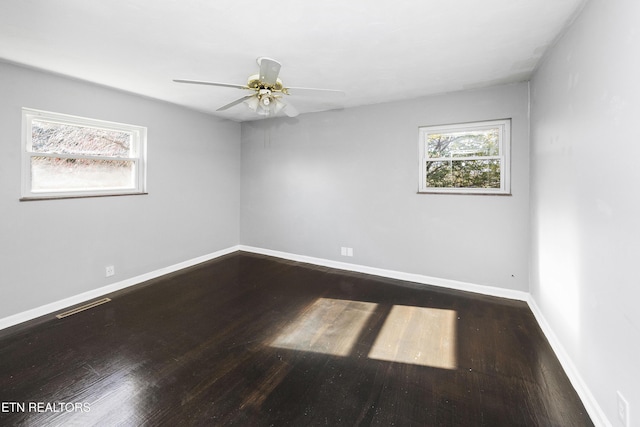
column 333, row 213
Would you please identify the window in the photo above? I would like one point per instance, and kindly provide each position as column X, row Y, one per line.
column 465, row 158
column 68, row 156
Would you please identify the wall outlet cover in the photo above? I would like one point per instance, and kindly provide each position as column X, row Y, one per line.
column 623, row 409
column 109, row 271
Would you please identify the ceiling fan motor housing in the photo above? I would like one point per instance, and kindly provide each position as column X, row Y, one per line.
column 254, row 82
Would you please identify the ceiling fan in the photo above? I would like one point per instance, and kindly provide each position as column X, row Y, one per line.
column 267, row 90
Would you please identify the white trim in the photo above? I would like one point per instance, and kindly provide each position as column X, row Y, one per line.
column 590, row 403
column 95, row 293
column 392, row 274
column 588, row 400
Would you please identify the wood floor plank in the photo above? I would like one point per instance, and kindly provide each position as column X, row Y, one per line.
column 251, row 340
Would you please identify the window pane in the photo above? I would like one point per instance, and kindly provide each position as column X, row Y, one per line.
column 81, row 174
column 464, row 174
column 473, row 143
column 50, row 137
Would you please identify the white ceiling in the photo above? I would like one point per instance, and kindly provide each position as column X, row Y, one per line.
column 376, row 51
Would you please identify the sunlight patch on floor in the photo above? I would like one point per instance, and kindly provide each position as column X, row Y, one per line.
column 418, row 335
column 329, row 326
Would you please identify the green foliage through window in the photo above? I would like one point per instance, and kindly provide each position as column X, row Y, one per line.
column 464, row 174
column 469, row 156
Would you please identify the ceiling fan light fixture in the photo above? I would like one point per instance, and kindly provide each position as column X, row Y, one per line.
column 278, row 105
column 253, row 103
column 260, row 105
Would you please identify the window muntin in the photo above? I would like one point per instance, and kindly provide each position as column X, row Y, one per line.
column 69, row 156
column 465, row 158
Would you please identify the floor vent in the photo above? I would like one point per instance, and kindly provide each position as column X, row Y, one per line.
column 83, row 308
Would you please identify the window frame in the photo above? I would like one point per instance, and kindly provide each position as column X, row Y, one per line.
column 138, row 155
column 504, row 156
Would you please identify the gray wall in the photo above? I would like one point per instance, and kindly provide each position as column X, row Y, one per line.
column 50, row 250
column 313, row 184
column 585, row 202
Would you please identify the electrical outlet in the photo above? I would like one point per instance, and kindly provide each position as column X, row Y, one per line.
column 623, row 410
column 346, row 251
column 109, row 271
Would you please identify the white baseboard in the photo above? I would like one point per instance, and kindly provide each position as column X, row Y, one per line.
column 95, row 293
column 591, row 405
column 392, row 274
column 594, row 410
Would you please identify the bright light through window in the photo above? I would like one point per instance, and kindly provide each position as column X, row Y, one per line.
column 69, row 156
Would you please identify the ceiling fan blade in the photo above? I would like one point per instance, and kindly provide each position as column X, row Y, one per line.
column 199, row 82
column 269, row 70
column 309, row 91
column 236, row 102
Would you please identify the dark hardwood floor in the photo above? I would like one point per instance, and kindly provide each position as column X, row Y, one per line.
column 249, row 340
